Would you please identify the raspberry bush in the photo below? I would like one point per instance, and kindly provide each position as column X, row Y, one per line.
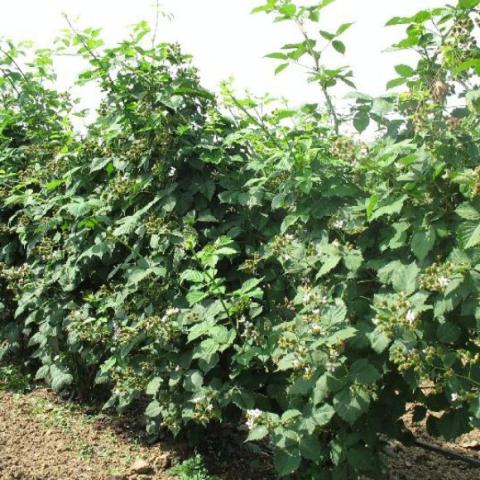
column 234, row 259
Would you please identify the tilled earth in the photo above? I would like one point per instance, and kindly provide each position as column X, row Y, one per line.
column 44, row 438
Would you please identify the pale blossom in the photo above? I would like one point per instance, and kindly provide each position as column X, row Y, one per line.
column 252, row 416
column 411, row 316
column 443, row 281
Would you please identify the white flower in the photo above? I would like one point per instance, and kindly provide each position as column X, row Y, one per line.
column 255, row 413
column 316, row 328
column 331, row 367
column 171, row 311
column 443, row 281
column 411, row 316
column 324, row 300
column 336, row 243
column 316, row 311
column 252, row 417
column 339, row 224
column 454, row 397
column 289, row 237
column 307, row 296
column 172, row 171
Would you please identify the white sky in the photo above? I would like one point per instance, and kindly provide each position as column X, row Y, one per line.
column 225, row 39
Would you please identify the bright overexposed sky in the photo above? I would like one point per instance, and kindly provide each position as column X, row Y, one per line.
column 225, row 39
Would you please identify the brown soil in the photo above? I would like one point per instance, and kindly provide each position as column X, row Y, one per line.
column 45, row 438
column 414, row 463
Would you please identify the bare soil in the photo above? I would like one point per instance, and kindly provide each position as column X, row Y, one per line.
column 45, row 438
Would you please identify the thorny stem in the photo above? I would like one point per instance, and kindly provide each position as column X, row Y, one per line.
column 259, row 123
column 99, row 63
column 155, row 29
column 317, row 68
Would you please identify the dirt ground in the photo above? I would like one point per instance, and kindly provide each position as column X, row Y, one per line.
column 42, row 438
column 45, row 438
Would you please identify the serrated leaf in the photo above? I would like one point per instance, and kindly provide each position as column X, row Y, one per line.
column 153, row 386
column 343, row 28
column 310, row 448
column 196, row 296
column 361, row 121
column 257, row 433
column 329, row 264
column 153, row 409
column 351, row 405
column 287, row 461
column 474, row 239
column 323, row 415
column 404, row 278
column 339, row 46
column 404, row 70
column 281, row 68
column 468, row 211
column 422, row 243
column 60, row 378
column 396, row 82
column 389, row 207
column 364, row 372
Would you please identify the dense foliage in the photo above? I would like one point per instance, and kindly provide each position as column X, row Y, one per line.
column 235, row 259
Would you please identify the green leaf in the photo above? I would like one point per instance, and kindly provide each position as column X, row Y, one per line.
column 339, row 46
column 206, row 349
column 281, row 68
column 200, row 329
column 379, row 341
column 422, row 243
column 361, row 121
column 351, row 405
column 389, row 207
column 257, row 433
column 329, row 264
column 153, row 409
column 468, row 211
column 448, row 332
column 323, row 415
column 326, row 385
column 343, row 28
column 467, row 4
column 310, row 448
column 196, row 296
column 60, row 378
column 396, row 82
column 471, row 63
column 404, row 70
column 404, row 279
column 153, row 386
column 277, row 55
column 287, row 461
column 474, row 239
column 193, row 276
column 364, row 372
column 193, row 381
column 453, row 424
column 99, row 163
column 289, row 9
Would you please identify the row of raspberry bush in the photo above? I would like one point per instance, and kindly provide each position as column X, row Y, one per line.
column 236, row 260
